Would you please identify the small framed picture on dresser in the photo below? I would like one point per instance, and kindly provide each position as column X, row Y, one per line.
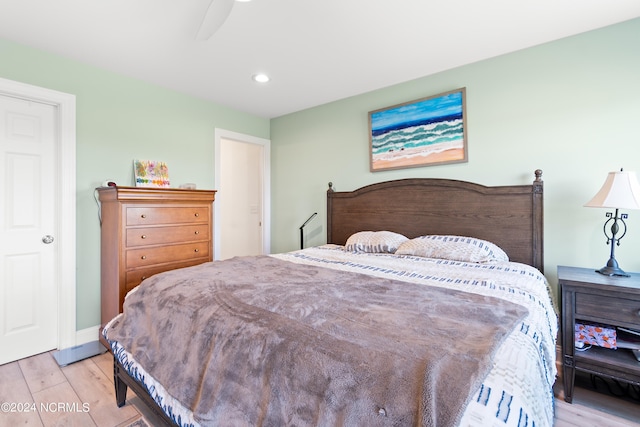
column 151, row 173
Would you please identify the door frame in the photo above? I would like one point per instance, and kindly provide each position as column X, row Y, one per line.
column 65, row 171
column 266, row 186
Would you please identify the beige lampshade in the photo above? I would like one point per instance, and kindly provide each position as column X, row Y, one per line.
column 620, row 191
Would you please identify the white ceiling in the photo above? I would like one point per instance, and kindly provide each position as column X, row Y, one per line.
column 316, row 51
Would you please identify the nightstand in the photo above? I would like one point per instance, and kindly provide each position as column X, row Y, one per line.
column 590, row 297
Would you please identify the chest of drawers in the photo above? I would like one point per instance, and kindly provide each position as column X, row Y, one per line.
column 145, row 231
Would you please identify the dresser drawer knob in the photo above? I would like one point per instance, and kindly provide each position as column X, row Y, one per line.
column 197, row 232
column 143, row 236
column 143, row 216
column 143, row 257
column 197, row 214
column 196, row 250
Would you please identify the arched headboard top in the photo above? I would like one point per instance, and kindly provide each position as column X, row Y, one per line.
column 509, row 216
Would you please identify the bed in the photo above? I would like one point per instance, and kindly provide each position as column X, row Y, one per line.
column 427, row 306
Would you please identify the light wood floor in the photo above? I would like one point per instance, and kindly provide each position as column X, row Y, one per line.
column 85, row 389
column 594, row 409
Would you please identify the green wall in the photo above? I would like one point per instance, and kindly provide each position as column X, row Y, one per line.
column 569, row 107
column 120, row 119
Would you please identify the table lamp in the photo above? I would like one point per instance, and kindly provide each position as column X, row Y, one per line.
column 620, row 191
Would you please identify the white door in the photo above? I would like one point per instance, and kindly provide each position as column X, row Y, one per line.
column 242, row 200
column 28, row 287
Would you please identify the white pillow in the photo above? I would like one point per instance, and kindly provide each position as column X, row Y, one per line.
column 456, row 248
column 374, row 242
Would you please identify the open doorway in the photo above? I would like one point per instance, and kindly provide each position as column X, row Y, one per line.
column 242, row 207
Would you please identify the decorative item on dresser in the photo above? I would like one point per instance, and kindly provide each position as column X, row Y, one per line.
column 146, row 231
column 595, row 299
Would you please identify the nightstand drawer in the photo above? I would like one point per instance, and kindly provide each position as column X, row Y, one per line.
column 606, row 308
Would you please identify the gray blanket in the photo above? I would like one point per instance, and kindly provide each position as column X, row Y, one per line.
column 257, row 341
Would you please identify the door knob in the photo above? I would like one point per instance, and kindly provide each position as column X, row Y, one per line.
column 47, row 239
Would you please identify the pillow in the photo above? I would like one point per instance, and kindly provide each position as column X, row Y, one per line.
column 456, row 248
column 375, row 241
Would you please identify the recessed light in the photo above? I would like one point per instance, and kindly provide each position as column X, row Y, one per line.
column 261, row 78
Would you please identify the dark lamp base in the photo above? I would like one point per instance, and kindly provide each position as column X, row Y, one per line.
column 613, row 271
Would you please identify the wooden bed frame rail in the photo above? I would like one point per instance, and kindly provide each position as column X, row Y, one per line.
column 122, row 381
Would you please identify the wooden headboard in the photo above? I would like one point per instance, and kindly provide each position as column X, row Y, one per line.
column 509, row 216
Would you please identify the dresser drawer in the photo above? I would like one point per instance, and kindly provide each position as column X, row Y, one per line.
column 152, row 215
column 143, row 257
column 144, row 236
column 135, row 277
column 615, row 309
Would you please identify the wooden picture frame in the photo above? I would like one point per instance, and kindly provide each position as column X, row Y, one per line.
column 425, row 132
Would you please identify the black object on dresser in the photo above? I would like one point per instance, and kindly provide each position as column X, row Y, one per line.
column 593, row 298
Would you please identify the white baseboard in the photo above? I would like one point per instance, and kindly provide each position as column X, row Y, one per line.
column 87, row 335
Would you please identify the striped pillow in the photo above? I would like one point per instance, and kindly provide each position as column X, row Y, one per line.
column 456, row 248
column 374, row 242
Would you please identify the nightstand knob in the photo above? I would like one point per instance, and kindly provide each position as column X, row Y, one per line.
column 143, row 216
column 143, row 257
column 197, row 215
column 197, row 250
column 197, row 232
column 143, row 236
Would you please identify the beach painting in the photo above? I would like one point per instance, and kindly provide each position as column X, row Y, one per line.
column 424, row 132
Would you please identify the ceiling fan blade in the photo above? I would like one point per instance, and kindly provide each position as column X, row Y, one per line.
column 214, row 17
